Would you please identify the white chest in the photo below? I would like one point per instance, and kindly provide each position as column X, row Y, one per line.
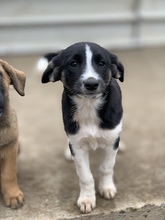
column 90, row 135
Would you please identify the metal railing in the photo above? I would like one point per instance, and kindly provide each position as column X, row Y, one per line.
column 138, row 26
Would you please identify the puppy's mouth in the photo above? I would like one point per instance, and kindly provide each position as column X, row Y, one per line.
column 90, row 95
column 89, row 89
column 93, row 96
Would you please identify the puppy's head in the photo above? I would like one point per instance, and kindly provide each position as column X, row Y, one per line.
column 84, row 68
column 10, row 76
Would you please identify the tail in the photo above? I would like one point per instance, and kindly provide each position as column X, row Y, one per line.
column 43, row 61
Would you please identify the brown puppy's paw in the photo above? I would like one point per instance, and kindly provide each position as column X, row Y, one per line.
column 14, row 199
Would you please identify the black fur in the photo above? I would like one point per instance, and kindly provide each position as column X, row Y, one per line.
column 50, row 56
column 62, row 60
column 2, row 95
column 68, row 109
column 111, row 112
column 68, row 66
column 116, row 144
column 71, row 150
column 92, row 109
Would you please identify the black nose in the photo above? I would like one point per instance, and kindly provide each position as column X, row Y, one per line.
column 91, row 84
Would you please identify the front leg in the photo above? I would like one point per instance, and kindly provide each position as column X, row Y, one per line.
column 87, row 199
column 107, row 188
column 13, row 196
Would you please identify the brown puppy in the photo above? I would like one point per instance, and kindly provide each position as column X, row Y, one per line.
column 13, row 196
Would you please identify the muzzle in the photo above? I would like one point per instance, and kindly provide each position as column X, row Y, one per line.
column 2, row 101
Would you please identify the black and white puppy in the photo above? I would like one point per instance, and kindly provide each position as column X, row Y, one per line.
column 92, row 112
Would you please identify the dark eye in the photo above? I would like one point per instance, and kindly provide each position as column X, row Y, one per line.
column 74, row 64
column 101, row 63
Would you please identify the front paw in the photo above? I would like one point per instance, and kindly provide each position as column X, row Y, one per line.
column 86, row 204
column 108, row 192
column 14, row 199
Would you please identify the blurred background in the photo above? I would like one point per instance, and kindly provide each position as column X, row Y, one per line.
column 38, row 26
column 135, row 31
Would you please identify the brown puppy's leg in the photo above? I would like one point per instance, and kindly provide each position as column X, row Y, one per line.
column 13, row 197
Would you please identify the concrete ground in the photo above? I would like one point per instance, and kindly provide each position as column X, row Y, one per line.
column 50, row 183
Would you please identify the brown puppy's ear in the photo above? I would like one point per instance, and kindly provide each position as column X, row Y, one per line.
column 17, row 77
column 117, row 68
column 53, row 70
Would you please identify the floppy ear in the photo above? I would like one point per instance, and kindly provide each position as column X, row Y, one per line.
column 52, row 72
column 17, row 77
column 117, row 68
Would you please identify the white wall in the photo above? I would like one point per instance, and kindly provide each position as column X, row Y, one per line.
column 39, row 26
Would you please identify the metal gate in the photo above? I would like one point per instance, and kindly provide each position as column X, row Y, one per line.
column 40, row 26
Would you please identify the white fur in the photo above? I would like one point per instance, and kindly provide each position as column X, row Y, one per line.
column 42, row 64
column 107, row 187
column 89, row 71
column 91, row 136
column 87, row 199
